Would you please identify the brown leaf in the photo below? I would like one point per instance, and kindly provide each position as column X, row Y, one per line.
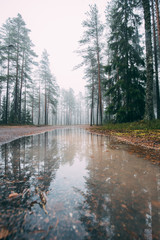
column 4, row 233
column 156, row 204
column 57, row 223
column 12, row 195
column 43, row 197
column 40, row 178
column 124, row 206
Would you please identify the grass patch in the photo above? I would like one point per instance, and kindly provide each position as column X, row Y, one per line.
column 141, row 125
column 142, row 129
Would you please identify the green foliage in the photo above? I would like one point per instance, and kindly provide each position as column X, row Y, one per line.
column 140, row 125
column 16, row 61
column 26, row 117
column 3, row 114
column 125, row 72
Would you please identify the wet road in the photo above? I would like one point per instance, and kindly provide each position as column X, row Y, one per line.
column 70, row 184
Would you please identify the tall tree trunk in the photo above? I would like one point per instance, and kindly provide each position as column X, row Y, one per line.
column 45, row 103
column 158, row 21
column 16, row 89
column 99, row 77
column 33, row 106
column 156, row 63
column 91, row 118
column 25, row 102
column 7, row 89
column 127, row 78
column 149, row 114
column 39, row 105
column 92, row 104
column 0, row 100
column 20, row 95
column 97, row 110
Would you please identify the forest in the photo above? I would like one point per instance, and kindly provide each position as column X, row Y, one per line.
column 121, row 62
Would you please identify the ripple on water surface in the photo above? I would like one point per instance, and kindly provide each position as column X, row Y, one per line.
column 70, row 184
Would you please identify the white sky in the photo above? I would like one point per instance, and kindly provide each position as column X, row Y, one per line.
column 56, row 25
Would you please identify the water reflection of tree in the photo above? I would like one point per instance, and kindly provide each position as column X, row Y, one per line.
column 117, row 202
column 30, row 161
column 70, row 144
column 50, row 160
column 26, row 163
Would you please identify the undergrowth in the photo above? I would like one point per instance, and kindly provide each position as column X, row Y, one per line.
column 140, row 125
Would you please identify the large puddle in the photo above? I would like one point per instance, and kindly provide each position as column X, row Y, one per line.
column 70, row 184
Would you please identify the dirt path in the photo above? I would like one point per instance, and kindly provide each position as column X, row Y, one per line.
column 9, row 133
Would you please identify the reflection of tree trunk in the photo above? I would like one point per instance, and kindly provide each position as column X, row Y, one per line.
column 38, row 152
column 16, row 159
column 45, row 152
column 24, row 149
column 6, row 159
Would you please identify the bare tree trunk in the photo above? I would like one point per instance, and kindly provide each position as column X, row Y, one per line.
column 156, row 63
column 158, row 21
column 25, row 102
column 97, row 109
column 20, row 95
column 92, row 104
column 7, row 90
column 33, row 106
column 16, row 89
column 45, row 104
column 99, row 90
column 99, row 77
column 149, row 114
column 39, row 103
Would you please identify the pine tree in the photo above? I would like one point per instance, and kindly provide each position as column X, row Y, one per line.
column 49, row 85
column 125, row 75
column 92, row 38
column 18, row 58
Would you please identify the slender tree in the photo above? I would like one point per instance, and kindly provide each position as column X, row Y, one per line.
column 49, row 85
column 156, row 62
column 158, row 20
column 149, row 115
column 92, row 38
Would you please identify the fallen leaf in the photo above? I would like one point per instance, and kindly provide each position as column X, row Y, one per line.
column 4, row 233
column 156, row 204
column 40, row 178
column 57, row 223
column 124, row 206
column 12, row 195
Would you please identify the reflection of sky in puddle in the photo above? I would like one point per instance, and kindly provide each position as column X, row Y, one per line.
column 95, row 189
